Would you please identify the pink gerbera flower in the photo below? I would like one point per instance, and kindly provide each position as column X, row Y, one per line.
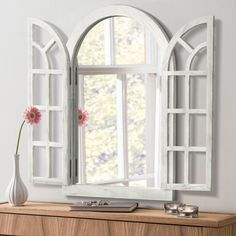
column 82, row 117
column 32, row 115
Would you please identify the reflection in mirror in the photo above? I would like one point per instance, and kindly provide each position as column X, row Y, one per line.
column 118, row 88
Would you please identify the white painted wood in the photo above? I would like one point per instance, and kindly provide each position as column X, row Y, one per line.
column 171, row 123
column 208, row 74
column 185, row 45
column 117, row 69
column 194, row 52
column 82, row 152
column 51, row 108
column 151, row 49
column 190, row 111
column 73, row 45
column 124, row 181
column 43, row 144
column 151, row 89
column 186, row 129
column 44, row 180
column 30, row 94
column 49, row 45
column 184, row 73
column 43, row 54
column 47, row 93
column 188, row 149
column 188, row 187
column 122, row 129
column 117, row 192
column 47, row 72
column 109, row 41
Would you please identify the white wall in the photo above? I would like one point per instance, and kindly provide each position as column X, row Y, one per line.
column 66, row 14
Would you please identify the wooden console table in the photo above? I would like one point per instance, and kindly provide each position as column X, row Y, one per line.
column 40, row 218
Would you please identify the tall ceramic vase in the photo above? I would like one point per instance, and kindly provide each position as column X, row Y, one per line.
column 17, row 193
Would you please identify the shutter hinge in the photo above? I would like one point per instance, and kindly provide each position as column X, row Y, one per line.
column 76, row 76
column 76, row 167
column 70, row 170
column 70, row 75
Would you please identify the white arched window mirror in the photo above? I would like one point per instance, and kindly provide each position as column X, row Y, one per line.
column 127, row 168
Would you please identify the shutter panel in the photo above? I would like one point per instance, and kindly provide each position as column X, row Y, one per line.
column 48, row 72
column 187, row 121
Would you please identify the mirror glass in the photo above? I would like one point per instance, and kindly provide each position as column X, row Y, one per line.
column 118, row 90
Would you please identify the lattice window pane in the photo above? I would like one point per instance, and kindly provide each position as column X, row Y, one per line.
column 56, row 155
column 40, row 130
column 48, row 81
column 198, row 92
column 197, row 161
column 39, row 84
column 197, row 130
column 39, row 162
column 187, row 109
column 56, row 128
column 56, row 90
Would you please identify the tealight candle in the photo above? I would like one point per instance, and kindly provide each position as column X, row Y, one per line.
column 187, row 211
column 172, row 207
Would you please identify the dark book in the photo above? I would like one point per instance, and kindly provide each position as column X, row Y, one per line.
column 112, row 206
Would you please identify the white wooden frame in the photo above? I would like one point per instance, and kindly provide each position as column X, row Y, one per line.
column 73, row 46
column 208, row 45
column 64, row 108
column 69, row 108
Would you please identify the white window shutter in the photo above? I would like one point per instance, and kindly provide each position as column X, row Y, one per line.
column 49, row 82
column 179, row 153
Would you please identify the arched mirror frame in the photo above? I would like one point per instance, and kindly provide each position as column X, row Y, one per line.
column 73, row 46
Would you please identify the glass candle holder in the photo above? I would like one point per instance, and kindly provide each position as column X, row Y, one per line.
column 172, row 207
column 187, row 211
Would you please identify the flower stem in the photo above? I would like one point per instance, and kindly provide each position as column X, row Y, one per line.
column 19, row 136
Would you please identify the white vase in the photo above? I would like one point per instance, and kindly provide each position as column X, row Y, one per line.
column 16, row 192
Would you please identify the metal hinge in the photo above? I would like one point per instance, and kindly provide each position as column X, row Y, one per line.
column 76, row 167
column 70, row 75
column 76, row 76
column 70, row 170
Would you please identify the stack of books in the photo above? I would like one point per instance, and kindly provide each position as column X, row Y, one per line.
column 104, row 206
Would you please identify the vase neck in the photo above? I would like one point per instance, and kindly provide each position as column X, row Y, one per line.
column 16, row 169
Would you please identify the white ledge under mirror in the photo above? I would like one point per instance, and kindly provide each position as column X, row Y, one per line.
column 149, row 130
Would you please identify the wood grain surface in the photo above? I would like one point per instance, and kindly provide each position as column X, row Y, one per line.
column 140, row 215
column 14, row 224
column 55, row 219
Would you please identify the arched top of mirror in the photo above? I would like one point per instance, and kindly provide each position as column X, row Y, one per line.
column 119, row 41
column 95, row 17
